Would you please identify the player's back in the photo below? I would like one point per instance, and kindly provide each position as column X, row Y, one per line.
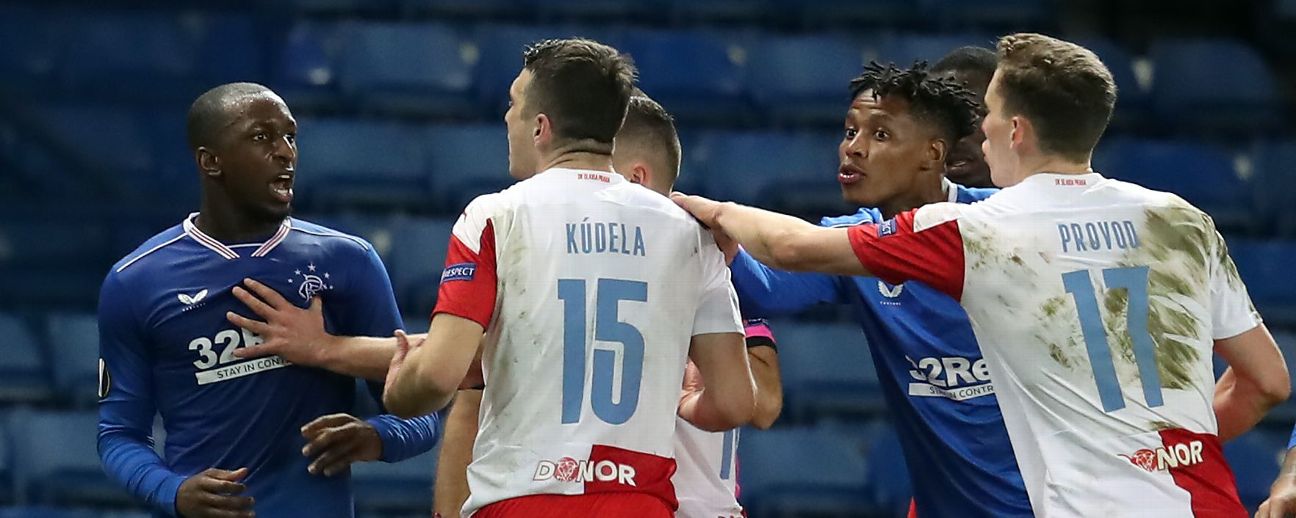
column 1097, row 302
column 599, row 287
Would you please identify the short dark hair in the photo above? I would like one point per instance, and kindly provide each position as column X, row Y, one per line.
column 939, row 100
column 582, row 85
column 1064, row 89
column 648, row 124
column 976, row 63
column 209, row 112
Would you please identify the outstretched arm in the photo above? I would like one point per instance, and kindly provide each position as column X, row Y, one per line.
column 780, row 241
column 424, row 375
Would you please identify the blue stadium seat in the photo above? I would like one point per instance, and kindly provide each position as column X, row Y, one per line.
column 801, row 472
column 1255, row 458
column 74, row 355
column 695, row 75
column 359, row 162
column 304, row 71
column 30, row 241
column 31, row 46
column 408, row 69
column 1203, row 174
column 23, row 373
column 230, row 48
column 765, row 168
column 904, row 49
column 150, row 57
column 1265, row 266
column 403, row 487
column 1133, row 103
column 827, row 371
column 57, row 460
column 850, row 14
column 804, row 78
column 115, row 140
column 1189, row 89
column 418, row 257
column 1275, row 185
column 465, row 161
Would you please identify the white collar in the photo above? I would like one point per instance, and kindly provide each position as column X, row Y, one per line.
column 216, row 246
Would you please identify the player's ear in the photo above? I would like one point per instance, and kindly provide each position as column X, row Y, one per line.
column 1019, row 127
column 937, row 151
column 543, row 133
column 208, row 162
column 641, row 174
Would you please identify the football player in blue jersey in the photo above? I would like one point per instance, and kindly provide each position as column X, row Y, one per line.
column 244, row 436
column 900, row 132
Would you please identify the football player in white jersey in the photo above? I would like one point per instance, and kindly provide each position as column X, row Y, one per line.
column 593, row 293
column 648, row 153
column 1097, row 303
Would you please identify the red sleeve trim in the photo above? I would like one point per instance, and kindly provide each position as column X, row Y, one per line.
column 894, row 252
column 469, row 281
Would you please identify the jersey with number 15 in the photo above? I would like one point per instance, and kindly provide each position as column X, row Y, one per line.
column 1096, row 303
column 589, row 288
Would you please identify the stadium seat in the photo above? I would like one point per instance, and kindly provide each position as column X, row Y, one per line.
column 74, row 353
column 1255, row 458
column 304, row 71
column 1203, row 174
column 150, row 57
column 1265, row 266
column 827, row 371
column 360, row 162
column 697, row 76
column 804, row 78
column 404, row 69
column 230, row 48
column 31, row 47
column 904, row 49
column 112, row 142
column 23, row 373
column 417, row 260
column 766, row 168
column 1275, row 186
column 801, row 472
column 465, row 161
column 402, row 487
column 1132, row 100
column 56, row 459
column 1189, row 90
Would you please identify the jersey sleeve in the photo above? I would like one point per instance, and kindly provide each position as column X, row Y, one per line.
column 766, row 292
column 469, row 280
column 718, row 305
column 126, row 404
column 918, row 245
column 1232, row 312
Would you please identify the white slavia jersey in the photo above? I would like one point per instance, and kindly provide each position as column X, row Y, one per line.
column 589, row 288
column 1096, row 303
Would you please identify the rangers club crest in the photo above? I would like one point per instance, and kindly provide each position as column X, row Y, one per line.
column 310, row 281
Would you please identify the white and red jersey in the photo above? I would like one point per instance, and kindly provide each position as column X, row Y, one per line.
column 706, row 482
column 1096, row 303
column 589, row 288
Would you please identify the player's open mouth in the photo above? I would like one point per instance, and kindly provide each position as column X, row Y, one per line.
column 849, row 174
column 281, row 188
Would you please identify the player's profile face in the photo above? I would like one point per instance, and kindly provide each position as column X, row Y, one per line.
column 965, row 163
column 524, row 160
column 884, row 152
column 258, row 155
column 998, row 138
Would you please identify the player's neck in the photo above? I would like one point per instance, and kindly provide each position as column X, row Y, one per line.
column 224, row 223
column 930, row 193
column 1052, row 164
column 580, row 160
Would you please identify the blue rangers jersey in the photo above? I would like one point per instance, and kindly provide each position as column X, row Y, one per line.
column 933, row 377
column 166, row 348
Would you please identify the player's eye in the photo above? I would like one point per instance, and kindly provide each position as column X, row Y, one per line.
column 881, row 134
column 851, row 133
column 292, row 138
column 260, row 136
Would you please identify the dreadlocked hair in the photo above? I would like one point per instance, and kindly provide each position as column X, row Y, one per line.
column 938, row 99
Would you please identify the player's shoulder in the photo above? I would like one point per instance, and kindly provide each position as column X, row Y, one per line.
column 934, row 214
column 864, row 215
column 152, row 252
column 333, row 240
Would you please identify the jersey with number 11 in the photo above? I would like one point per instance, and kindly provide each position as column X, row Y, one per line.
column 589, row 288
column 1096, row 303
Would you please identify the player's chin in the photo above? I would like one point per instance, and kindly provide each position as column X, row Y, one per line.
column 858, row 195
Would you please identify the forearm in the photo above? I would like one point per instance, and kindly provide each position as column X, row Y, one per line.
column 760, row 232
column 358, row 356
column 405, row 438
column 130, row 460
column 451, row 489
column 1239, row 405
column 415, row 390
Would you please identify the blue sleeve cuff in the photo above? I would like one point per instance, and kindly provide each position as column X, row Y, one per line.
column 168, row 493
column 404, row 438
